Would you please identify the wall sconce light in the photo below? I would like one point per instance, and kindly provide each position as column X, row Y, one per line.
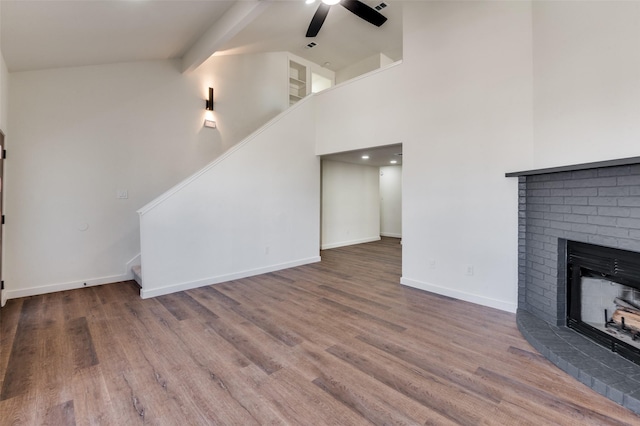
column 209, row 104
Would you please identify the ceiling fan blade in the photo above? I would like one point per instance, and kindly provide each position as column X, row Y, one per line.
column 365, row 12
column 318, row 20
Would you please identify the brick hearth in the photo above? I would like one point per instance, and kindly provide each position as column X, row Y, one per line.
column 597, row 203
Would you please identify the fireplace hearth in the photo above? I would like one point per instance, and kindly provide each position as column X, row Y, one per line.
column 562, row 297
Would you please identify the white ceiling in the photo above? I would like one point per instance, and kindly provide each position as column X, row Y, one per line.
column 61, row 33
column 343, row 40
column 378, row 157
column 55, row 33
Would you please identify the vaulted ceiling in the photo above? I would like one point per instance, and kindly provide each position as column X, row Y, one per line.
column 63, row 33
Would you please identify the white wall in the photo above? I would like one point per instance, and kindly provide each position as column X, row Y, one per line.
column 4, row 94
column 586, row 81
column 461, row 104
column 80, row 134
column 470, row 122
column 314, row 68
column 249, row 90
column 4, row 102
column 371, row 63
column 477, row 82
column 385, row 60
column 391, row 201
column 362, row 113
column 350, row 204
column 4, row 86
column 254, row 210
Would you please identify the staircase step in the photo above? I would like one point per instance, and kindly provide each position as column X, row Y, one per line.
column 137, row 274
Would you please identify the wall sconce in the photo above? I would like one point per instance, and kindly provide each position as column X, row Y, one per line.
column 209, row 104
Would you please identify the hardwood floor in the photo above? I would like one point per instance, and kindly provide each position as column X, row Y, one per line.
column 338, row 342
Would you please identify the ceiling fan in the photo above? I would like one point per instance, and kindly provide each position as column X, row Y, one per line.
column 356, row 7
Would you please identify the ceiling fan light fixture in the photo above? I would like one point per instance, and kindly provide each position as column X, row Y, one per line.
column 356, row 7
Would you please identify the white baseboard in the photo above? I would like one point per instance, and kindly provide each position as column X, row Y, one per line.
column 146, row 293
column 51, row 288
column 468, row 297
column 349, row 243
column 390, row 234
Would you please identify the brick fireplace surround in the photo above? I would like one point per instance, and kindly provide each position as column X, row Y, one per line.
column 597, row 203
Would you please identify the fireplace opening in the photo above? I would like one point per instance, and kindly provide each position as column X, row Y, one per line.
column 603, row 296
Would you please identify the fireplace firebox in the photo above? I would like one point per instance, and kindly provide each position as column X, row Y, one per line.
column 603, row 296
column 595, row 203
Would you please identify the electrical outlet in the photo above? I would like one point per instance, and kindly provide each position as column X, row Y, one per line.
column 469, row 270
column 122, row 194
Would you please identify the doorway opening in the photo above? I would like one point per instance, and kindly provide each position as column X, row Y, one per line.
column 361, row 196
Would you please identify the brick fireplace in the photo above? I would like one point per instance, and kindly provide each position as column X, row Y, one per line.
column 596, row 203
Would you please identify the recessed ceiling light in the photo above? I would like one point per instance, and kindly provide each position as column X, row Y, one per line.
column 310, row 1
column 365, row 157
column 393, row 162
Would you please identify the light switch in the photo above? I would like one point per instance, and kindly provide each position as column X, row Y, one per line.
column 122, row 194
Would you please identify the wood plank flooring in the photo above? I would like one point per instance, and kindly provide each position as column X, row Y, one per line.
column 334, row 343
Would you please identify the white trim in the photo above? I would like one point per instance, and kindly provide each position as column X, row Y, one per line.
column 390, row 234
column 173, row 288
column 468, row 297
column 169, row 193
column 349, row 243
column 52, row 288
